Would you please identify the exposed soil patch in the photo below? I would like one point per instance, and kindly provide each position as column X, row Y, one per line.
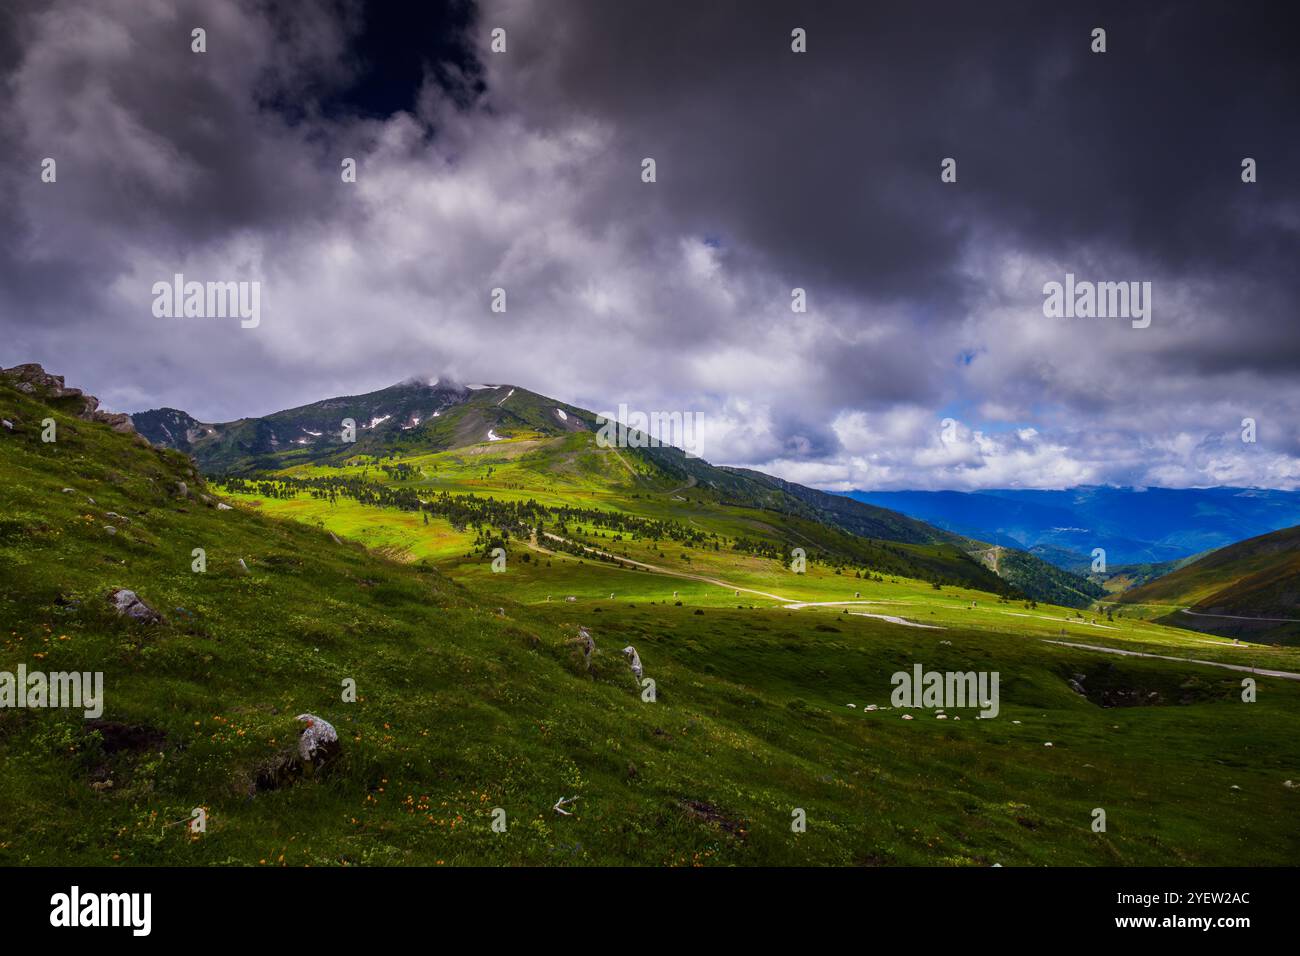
column 116, row 737
column 707, row 812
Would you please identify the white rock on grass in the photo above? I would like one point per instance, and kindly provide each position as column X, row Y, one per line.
column 634, row 661
column 317, row 741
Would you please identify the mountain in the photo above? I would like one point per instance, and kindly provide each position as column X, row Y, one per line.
column 1133, row 526
column 480, row 700
column 558, row 442
column 1250, row 590
column 306, row 433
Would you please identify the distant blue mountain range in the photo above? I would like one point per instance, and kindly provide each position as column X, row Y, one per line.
column 1134, row 526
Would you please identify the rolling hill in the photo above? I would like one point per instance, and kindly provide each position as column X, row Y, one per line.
column 1250, row 590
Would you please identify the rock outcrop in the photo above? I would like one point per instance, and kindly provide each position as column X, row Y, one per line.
column 33, row 380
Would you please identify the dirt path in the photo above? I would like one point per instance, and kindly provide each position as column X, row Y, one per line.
column 1237, row 617
column 669, row 571
column 788, row 603
column 623, row 461
column 1288, row 675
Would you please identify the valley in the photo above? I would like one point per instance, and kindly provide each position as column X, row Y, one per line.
column 373, row 564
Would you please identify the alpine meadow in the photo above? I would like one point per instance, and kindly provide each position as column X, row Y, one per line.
column 508, row 438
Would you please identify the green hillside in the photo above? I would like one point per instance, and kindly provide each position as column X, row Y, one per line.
column 471, row 695
column 1250, row 589
column 506, row 441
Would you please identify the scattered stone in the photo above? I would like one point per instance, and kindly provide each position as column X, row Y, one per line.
column 1078, row 688
column 110, row 529
column 634, row 661
column 854, row 706
column 182, row 489
column 222, row 506
column 570, row 599
column 588, row 644
column 907, row 716
column 872, row 707
column 67, row 491
column 7, row 423
column 128, row 603
column 243, row 565
column 1048, row 744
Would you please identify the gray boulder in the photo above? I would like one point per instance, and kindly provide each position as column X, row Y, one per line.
column 128, row 604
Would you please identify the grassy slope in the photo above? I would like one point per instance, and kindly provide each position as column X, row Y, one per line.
column 556, row 440
column 462, row 710
column 1255, row 578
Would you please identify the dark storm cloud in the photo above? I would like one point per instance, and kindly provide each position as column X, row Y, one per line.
column 828, row 162
column 775, row 170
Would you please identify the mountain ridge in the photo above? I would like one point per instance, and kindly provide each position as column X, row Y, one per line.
column 1133, row 526
column 414, row 416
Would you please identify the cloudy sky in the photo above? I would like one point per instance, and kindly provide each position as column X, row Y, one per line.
column 819, row 170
